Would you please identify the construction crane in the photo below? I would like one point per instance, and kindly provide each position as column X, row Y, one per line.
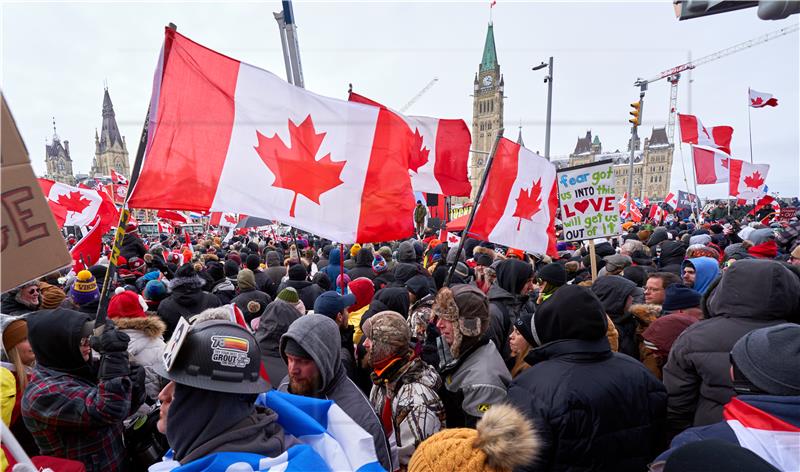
column 673, row 75
column 420, row 94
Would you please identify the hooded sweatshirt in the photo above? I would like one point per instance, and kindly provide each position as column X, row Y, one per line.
column 363, row 265
column 613, row 292
column 186, row 299
column 333, row 269
column 706, row 269
column 275, row 269
column 505, row 302
column 319, row 336
column 672, row 254
column 752, row 294
column 274, row 322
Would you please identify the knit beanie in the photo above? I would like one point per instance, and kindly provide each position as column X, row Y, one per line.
column 127, row 304
column 14, row 333
column 215, row 270
column 52, row 296
column 253, row 262
column 155, row 290
column 379, row 264
column 246, row 280
column 769, row 357
column 518, row 253
column 553, row 273
column 389, row 334
column 231, row 268
column 136, row 264
column 572, row 312
column 297, row 272
column 502, row 440
column 364, row 290
column 386, row 252
column 354, row 250
column 760, row 236
column 84, row 290
column 679, row 296
column 289, row 295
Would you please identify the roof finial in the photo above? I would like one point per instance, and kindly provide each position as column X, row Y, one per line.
column 105, row 84
column 491, row 7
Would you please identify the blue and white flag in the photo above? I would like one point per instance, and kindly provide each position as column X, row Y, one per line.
column 296, row 459
column 321, row 424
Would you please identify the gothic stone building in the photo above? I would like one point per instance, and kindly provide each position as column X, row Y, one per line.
column 58, row 160
column 652, row 165
column 110, row 149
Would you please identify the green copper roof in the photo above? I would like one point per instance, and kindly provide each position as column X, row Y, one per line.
column 489, row 60
column 596, row 139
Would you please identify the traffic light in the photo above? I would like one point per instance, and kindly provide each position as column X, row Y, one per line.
column 637, row 113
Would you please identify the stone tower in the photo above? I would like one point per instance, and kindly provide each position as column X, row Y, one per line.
column 487, row 110
column 58, row 160
column 110, row 149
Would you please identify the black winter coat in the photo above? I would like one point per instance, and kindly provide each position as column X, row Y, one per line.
column 186, row 300
column 132, row 246
column 592, row 409
column 247, row 296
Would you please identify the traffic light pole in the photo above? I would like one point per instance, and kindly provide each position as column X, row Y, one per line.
column 637, row 120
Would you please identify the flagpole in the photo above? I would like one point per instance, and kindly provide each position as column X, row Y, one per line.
column 694, row 183
column 124, row 216
column 749, row 125
column 474, row 206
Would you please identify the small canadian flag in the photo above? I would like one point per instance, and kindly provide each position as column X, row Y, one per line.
column 761, row 99
column 448, row 237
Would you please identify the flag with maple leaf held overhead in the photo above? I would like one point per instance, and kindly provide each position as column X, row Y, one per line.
column 747, row 180
column 271, row 150
column 75, row 206
column 519, row 203
column 439, row 155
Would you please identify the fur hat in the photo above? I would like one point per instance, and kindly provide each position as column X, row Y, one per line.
column 467, row 307
column 502, row 441
column 84, row 290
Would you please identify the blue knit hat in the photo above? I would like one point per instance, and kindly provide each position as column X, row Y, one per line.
column 84, row 290
column 155, row 290
column 678, row 296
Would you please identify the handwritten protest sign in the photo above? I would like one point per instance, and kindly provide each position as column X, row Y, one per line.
column 788, row 213
column 588, row 201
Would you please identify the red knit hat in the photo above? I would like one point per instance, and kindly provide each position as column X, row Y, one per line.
column 126, row 304
column 363, row 289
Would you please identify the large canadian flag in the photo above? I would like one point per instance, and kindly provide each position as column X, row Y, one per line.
column 439, row 154
column 227, row 136
column 519, row 203
column 693, row 132
column 761, row 99
column 747, row 180
column 76, row 206
column 710, row 165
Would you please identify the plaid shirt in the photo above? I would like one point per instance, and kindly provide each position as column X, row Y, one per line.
column 787, row 238
column 73, row 418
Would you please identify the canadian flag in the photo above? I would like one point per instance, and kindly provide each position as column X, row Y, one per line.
column 240, row 139
column 165, row 228
column 223, row 219
column 439, row 153
column 761, row 100
column 118, row 178
column 87, row 251
column 763, row 202
column 671, row 199
column 710, row 165
column 448, row 237
column 76, row 206
column 172, row 215
column 693, row 132
column 518, row 206
column 656, row 213
column 747, row 180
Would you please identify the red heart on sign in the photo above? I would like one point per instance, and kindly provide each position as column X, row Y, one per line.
column 582, row 205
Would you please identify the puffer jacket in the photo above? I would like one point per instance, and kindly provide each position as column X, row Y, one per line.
column 417, row 411
column 592, row 409
column 185, row 300
column 146, row 346
column 751, row 294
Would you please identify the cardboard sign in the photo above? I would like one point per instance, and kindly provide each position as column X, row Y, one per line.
column 32, row 245
column 175, row 342
column 788, row 213
column 588, row 201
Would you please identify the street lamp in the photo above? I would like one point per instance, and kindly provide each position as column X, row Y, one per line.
column 549, row 81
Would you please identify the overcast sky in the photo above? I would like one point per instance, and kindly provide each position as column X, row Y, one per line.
column 57, row 56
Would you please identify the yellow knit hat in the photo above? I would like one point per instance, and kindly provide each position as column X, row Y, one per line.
column 354, row 249
column 503, row 439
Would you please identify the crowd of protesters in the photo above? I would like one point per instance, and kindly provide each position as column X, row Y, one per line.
column 682, row 353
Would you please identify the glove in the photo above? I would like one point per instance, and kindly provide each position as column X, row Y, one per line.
column 112, row 340
column 138, row 392
column 113, row 365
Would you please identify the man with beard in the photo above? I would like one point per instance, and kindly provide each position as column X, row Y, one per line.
column 311, row 350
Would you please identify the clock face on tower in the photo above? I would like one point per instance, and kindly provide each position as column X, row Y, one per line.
column 487, row 81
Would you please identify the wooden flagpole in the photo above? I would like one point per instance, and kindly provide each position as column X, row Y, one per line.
column 465, row 234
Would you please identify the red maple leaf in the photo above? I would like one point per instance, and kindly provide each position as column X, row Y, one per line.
column 754, row 181
column 528, row 202
column 73, row 201
column 296, row 168
column 419, row 153
column 230, row 219
column 756, row 101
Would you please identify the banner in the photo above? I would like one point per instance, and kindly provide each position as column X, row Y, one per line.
column 32, row 246
column 588, row 200
column 788, row 213
column 686, row 200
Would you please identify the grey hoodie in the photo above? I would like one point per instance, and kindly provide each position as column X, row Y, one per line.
column 319, row 336
column 406, row 252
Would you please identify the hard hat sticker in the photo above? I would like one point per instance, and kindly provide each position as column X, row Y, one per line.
column 230, row 351
column 175, row 342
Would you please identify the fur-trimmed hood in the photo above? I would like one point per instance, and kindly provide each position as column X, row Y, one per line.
column 645, row 313
column 186, row 283
column 484, row 250
column 152, row 326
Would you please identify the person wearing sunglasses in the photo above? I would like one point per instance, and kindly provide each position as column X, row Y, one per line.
column 21, row 300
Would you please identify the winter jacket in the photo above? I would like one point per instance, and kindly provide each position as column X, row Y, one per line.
column 505, row 303
column 417, row 411
column 658, row 338
column 706, row 270
column 10, row 306
column 591, row 408
column 645, row 315
column 744, row 410
column 276, row 271
column 224, row 290
column 672, row 254
column 273, row 324
column 186, row 300
column 146, row 347
column 363, row 265
column 613, row 291
column 752, row 294
column 333, row 269
column 264, row 283
column 132, row 246
column 473, row 383
column 247, row 296
column 68, row 411
column 308, row 291
column 319, row 336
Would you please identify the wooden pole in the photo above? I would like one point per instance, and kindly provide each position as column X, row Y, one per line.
column 464, row 235
column 593, row 258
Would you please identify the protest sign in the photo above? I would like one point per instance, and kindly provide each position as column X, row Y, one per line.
column 588, row 201
column 32, row 246
column 788, row 213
